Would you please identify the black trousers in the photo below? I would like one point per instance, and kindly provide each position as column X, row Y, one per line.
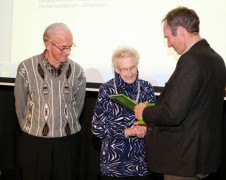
column 49, row 158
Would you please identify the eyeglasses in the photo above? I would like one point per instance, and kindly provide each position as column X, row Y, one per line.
column 64, row 48
column 132, row 70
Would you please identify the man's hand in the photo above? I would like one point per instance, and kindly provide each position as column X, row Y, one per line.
column 138, row 109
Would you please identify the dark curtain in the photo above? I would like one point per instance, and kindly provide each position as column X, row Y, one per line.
column 90, row 145
column 9, row 133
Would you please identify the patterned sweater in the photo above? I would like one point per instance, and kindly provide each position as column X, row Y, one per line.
column 47, row 106
column 120, row 156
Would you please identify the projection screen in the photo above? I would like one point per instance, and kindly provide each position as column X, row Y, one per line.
column 100, row 26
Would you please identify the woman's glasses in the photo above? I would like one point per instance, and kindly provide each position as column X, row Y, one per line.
column 132, row 70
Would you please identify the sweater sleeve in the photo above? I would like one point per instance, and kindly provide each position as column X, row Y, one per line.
column 21, row 92
column 81, row 90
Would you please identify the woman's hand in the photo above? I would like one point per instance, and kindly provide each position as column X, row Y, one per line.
column 137, row 130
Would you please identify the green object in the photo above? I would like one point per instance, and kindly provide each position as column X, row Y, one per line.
column 141, row 122
column 125, row 101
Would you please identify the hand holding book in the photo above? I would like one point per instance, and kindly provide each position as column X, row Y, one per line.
column 127, row 103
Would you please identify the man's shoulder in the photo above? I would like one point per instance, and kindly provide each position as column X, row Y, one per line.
column 74, row 64
column 32, row 58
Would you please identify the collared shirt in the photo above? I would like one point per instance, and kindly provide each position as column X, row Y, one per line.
column 55, row 72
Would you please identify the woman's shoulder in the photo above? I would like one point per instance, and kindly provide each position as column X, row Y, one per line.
column 145, row 82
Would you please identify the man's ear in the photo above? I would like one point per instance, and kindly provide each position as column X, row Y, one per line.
column 181, row 30
column 48, row 45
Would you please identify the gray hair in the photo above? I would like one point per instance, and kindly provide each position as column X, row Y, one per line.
column 124, row 51
column 52, row 29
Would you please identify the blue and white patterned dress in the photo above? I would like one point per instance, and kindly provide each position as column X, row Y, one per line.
column 120, row 156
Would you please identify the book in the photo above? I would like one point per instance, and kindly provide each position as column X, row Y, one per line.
column 124, row 101
column 127, row 103
column 141, row 122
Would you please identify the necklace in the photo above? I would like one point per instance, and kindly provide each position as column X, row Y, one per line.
column 138, row 89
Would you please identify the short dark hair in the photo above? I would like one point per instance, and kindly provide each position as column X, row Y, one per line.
column 182, row 16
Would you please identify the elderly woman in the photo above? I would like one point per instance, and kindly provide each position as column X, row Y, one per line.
column 122, row 139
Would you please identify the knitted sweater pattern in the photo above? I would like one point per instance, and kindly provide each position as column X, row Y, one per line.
column 48, row 106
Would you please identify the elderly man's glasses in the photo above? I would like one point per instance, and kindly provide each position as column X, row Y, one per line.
column 64, row 48
column 132, row 70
